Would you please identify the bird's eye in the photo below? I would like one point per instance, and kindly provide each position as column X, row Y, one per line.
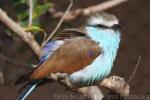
column 116, row 27
column 101, row 26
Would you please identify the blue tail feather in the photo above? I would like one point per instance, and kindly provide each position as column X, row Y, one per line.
column 29, row 88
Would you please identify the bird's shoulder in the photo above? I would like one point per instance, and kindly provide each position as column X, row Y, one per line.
column 70, row 33
column 73, row 55
column 64, row 36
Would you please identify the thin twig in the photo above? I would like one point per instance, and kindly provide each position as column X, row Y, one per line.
column 59, row 24
column 30, row 12
column 44, row 38
column 135, row 70
column 87, row 11
column 27, row 37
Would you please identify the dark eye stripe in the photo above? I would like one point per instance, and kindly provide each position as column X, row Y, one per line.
column 99, row 26
column 102, row 26
column 114, row 27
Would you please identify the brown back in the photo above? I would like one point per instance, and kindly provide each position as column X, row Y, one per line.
column 75, row 54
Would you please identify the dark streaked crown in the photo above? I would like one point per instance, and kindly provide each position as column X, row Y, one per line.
column 104, row 20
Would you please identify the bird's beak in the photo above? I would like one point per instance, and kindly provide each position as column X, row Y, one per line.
column 116, row 27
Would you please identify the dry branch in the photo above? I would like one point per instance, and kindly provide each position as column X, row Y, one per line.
column 87, row 11
column 92, row 92
column 114, row 83
column 30, row 12
column 27, row 37
column 59, row 24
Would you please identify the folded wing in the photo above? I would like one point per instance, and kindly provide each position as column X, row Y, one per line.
column 73, row 55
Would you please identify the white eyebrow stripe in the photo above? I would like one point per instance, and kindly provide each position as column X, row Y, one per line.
column 100, row 20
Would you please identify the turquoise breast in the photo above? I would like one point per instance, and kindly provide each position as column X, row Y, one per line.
column 101, row 66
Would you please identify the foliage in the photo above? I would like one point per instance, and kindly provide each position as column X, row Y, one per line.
column 22, row 10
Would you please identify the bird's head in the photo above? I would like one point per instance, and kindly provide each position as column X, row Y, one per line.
column 104, row 28
column 104, row 21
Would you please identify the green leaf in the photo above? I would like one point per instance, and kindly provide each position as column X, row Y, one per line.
column 35, row 2
column 23, row 23
column 23, row 15
column 34, row 29
column 40, row 9
column 18, row 2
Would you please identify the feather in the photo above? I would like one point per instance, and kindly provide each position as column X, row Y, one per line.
column 73, row 55
column 54, row 51
column 70, row 33
column 49, row 48
column 58, row 40
column 85, row 57
column 28, row 89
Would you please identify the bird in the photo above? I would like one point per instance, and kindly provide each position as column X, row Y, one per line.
column 86, row 55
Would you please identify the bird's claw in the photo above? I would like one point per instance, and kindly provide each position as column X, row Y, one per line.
column 63, row 78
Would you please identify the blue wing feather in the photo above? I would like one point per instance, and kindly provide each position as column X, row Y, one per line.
column 49, row 48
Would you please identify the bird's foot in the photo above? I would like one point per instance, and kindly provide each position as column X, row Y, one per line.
column 63, row 78
column 57, row 76
column 68, row 83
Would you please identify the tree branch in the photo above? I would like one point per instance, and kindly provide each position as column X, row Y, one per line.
column 59, row 24
column 92, row 92
column 30, row 12
column 114, row 83
column 27, row 37
column 87, row 11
